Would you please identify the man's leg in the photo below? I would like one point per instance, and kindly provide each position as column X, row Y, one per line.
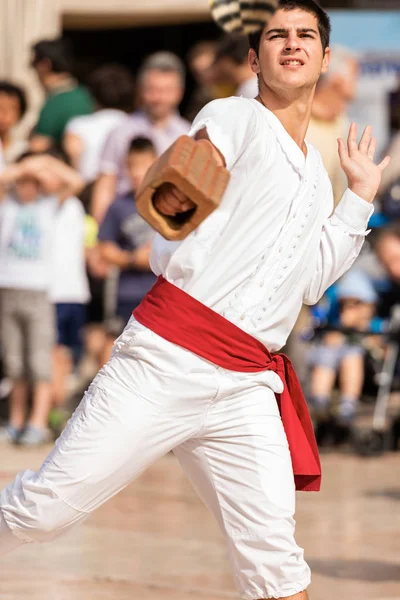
column 241, row 468
column 115, row 433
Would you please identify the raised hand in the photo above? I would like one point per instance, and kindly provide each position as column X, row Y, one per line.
column 357, row 160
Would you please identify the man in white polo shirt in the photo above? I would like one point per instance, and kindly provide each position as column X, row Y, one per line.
column 271, row 245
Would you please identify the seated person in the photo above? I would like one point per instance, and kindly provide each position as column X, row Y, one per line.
column 341, row 352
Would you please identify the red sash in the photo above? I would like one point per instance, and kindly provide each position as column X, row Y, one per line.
column 181, row 319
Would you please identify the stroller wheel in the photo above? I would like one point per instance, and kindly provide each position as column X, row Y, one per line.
column 370, row 443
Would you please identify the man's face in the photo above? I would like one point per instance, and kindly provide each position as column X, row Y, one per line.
column 389, row 255
column 138, row 164
column 10, row 112
column 161, row 93
column 290, row 55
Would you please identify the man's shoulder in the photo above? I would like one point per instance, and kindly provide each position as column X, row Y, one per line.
column 233, row 109
column 231, row 102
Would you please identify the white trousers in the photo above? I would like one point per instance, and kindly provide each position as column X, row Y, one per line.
column 226, row 432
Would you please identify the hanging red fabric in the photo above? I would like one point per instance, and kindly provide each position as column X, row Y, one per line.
column 181, row 319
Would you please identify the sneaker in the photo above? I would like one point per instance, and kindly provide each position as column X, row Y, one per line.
column 33, row 436
column 9, row 434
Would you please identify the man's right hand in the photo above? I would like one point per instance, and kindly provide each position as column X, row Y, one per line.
column 170, row 201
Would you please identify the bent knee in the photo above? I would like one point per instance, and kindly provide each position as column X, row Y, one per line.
column 34, row 512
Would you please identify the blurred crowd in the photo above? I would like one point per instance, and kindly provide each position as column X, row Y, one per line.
column 74, row 253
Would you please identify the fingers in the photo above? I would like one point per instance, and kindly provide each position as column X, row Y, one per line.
column 384, row 164
column 372, row 149
column 343, row 152
column 365, row 140
column 169, row 200
column 352, row 139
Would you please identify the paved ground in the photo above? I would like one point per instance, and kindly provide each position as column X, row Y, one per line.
column 156, row 540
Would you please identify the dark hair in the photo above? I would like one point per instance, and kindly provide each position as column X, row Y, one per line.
column 14, row 91
column 199, row 49
column 58, row 52
column 324, row 22
column 233, row 46
column 112, row 86
column 141, row 144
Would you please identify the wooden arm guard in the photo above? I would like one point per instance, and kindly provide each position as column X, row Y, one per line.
column 192, row 168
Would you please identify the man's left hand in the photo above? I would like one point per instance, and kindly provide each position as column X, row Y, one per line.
column 357, row 160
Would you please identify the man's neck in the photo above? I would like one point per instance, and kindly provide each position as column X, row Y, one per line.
column 55, row 81
column 292, row 110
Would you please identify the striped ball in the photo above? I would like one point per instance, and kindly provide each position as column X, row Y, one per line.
column 240, row 16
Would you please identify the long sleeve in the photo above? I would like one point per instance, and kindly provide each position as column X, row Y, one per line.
column 342, row 238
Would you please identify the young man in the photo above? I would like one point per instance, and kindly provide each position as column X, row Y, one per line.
column 53, row 63
column 243, row 274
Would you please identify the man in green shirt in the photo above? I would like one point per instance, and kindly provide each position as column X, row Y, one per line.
column 52, row 61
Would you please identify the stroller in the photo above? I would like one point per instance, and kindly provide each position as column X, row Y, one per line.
column 378, row 429
column 384, row 435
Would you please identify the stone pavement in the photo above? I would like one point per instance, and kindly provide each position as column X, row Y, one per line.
column 156, row 540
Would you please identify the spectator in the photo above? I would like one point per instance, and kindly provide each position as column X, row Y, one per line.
column 69, row 290
column 200, row 59
column 13, row 107
column 125, row 241
column 161, row 84
column 53, row 63
column 392, row 176
column 341, row 352
column 387, row 246
column 112, row 88
column 232, row 65
column 28, row 212
column 335, row 90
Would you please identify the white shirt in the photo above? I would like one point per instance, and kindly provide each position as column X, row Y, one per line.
column 69, row 282
column 26, row 239
column 271, row 245
column 93, row 130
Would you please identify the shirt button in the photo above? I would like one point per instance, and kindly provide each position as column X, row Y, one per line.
column 285, row 266
column 242, row 318
column 280, row 250
column 263, row 257
column 262, row 284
